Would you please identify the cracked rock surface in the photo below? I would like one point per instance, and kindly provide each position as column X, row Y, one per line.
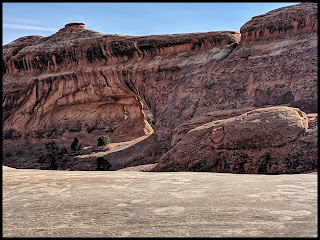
column 42, row 203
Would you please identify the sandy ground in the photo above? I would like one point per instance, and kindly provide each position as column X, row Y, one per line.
column 114, row 147
column 131, row 203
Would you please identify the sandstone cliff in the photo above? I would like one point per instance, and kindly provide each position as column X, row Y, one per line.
column 287, row 20
column 84, row 83
column 96, row 77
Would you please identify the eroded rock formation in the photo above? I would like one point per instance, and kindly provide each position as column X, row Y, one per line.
column 84, row 83
column 286, row 20
column 265, row 140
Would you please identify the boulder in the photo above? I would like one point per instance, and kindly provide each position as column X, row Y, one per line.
column 268, row 140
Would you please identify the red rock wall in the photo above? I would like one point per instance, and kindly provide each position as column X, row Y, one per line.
column 283, row 21
column 269, row 140
column 83, row 81
column 53, row 84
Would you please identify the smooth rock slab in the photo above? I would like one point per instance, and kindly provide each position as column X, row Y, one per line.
column 44, row 203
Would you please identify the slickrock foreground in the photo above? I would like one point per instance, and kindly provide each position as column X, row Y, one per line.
column 43, row 203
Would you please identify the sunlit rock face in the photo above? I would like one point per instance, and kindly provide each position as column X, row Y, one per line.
column 57, row 87
column 283, row 21
column 80, row 82
column 269, row 140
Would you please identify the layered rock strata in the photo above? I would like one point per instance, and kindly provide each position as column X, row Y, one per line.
column 80, row 82
column 69, row 84
column 269, row 140
column 287, row 20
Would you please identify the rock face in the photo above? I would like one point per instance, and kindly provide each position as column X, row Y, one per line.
column 265, row 140
column 61, row 85
column 288, row 20
column 84, row 83
column 54, row 87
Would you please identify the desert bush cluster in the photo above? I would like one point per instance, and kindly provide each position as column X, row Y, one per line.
column 103, row 141
column 54, row 154
column 150, row 121
column 55, row 157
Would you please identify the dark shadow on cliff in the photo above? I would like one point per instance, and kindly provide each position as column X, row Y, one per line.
column 138, row 154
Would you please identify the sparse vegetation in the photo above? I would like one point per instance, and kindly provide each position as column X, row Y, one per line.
column 150, row 121
column 102, row 164
column 54, row 153
column 11, row 134
column 74, row 144
column 103, row 140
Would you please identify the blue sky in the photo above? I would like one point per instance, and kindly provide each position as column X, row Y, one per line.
column 139, row 19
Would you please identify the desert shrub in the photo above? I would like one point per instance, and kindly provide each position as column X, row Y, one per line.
column 150, row 121
column 11, row 134
column 103, row 140
column 74, row 144
column 63, row 151
column 53, row 150
column 54, row 153
column 42, row 159
column 102, row 164
column 19, row 153
column 52, row 147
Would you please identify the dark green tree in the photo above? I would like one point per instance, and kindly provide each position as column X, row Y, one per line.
column 104, row 140
column 150, row 121
column 53, row 155
column 74, row 144
column 103, row 164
